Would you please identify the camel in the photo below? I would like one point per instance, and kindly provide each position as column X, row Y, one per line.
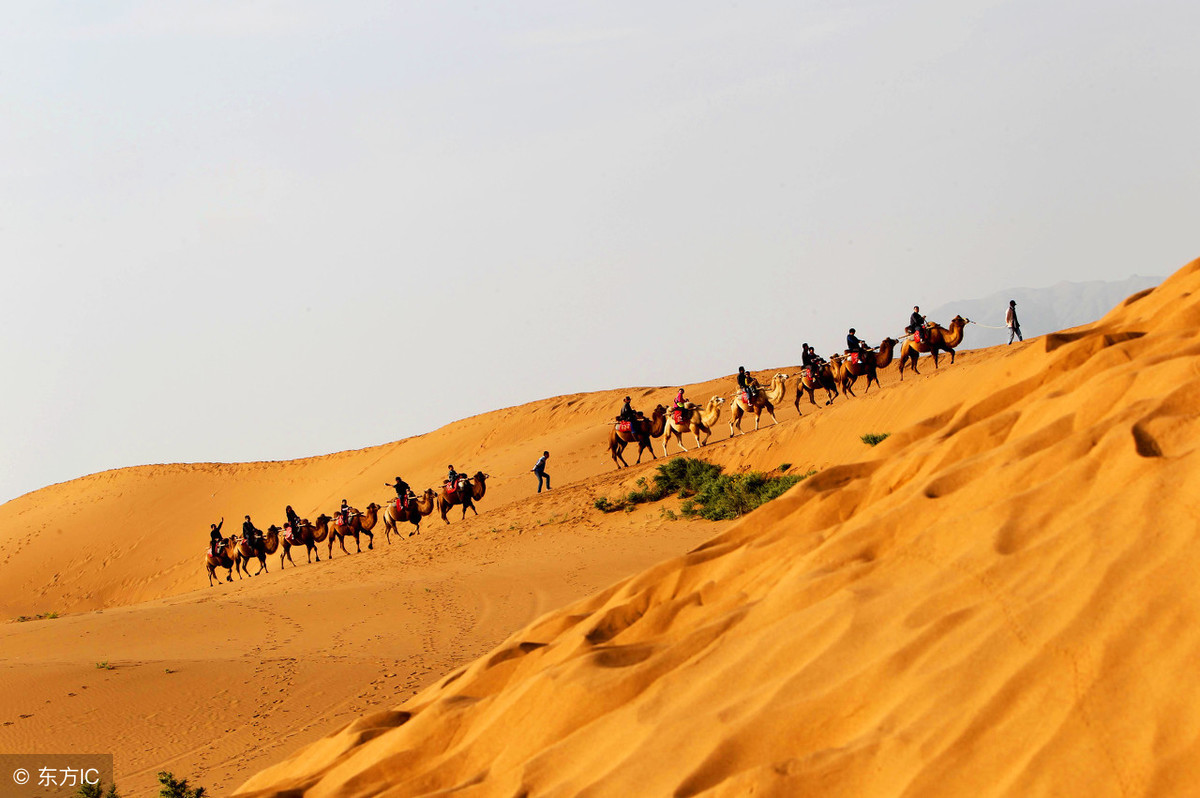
column 359, row 524
column 846, row 373
column 226, row 557
column 308, row 536
column 695, row 420
column 809, row 380
column 938, row 339
column 418, row 509
column 468, row 492
column 643, row 430
column 246, row 552
column 765, row 399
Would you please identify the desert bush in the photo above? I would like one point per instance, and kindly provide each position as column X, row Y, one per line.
column 706, row 491
column 176, row 788
column 97, row 791
column 874, row 438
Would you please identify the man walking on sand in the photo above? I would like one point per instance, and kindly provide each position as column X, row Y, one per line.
column 1014, row 326
column 540, row 470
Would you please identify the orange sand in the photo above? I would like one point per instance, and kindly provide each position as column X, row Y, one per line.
column 996, row 600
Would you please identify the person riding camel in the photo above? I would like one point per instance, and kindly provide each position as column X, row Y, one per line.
column 293, row 521
column 345, row 512
column 808, row 358
column 252, row 534
column 628, row 413
column 452, row 478
column 403, row 491
column 214, row 535
column 856, row 346
column 916, row 323
column 747, row 383
column 680, row 405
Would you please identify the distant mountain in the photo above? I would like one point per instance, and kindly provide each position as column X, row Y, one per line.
column 1040, row 310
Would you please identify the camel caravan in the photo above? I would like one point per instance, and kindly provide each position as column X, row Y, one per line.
column 235, row 553
column 836, row 376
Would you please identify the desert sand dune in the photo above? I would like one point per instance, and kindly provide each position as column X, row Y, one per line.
column 998, row 600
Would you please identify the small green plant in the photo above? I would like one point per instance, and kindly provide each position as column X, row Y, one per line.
column 875, row 438
column 176, row 788
column 97, row 791
column 668, row 514
column 167, row 670
column 783, row 467
column 105, row 666
column 49, row 616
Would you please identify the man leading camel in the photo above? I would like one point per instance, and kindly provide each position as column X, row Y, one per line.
column 1010, row 320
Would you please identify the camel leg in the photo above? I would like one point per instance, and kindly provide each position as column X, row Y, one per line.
column 211, row 573
column 771, row 410
column 757, row 416
column 370, row 539
column 951, row 351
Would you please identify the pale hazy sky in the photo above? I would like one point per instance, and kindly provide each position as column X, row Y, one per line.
column 263, row 230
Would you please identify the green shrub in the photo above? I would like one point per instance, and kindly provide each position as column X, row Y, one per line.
column 783, row 467
column 874, row 438
column 97, row 791
column 172, row 788
column 705, row 491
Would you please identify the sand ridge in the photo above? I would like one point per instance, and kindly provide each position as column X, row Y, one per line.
column 997, row 600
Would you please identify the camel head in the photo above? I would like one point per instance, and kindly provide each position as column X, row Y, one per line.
column 480, row 476
column 717, row 400
column 372, row 507
column 959, row 320
column 321, row 519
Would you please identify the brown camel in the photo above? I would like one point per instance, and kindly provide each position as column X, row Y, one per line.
column 467, row 493
column 846, row 371
column 810, row 379
column 937, row 338
column 695, row 420
column 417, row 509
column 307, row 535
column 765, row 399
column 642, row 431
column 226, row 557
column 247, row 552
column 359, row 524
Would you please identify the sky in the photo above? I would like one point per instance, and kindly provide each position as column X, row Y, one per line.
column 262, row 230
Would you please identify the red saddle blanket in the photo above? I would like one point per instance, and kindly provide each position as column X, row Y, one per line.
column 453, row 489
column 624, row 426
column 854, row 358
column 678, row 416
column 808, row 373
column 745, row 397
column 920, row 335
column 400, row 504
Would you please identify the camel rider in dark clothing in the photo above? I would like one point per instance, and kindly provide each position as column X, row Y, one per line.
column 293, row 520
column 347, row 511
column 856, row 345
column 808, row 358
column 452, row 477
column 916, row 322
column 403, row 491
column 627, row 412
column 747, row 382
column 252, row 534
column 215, row 536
